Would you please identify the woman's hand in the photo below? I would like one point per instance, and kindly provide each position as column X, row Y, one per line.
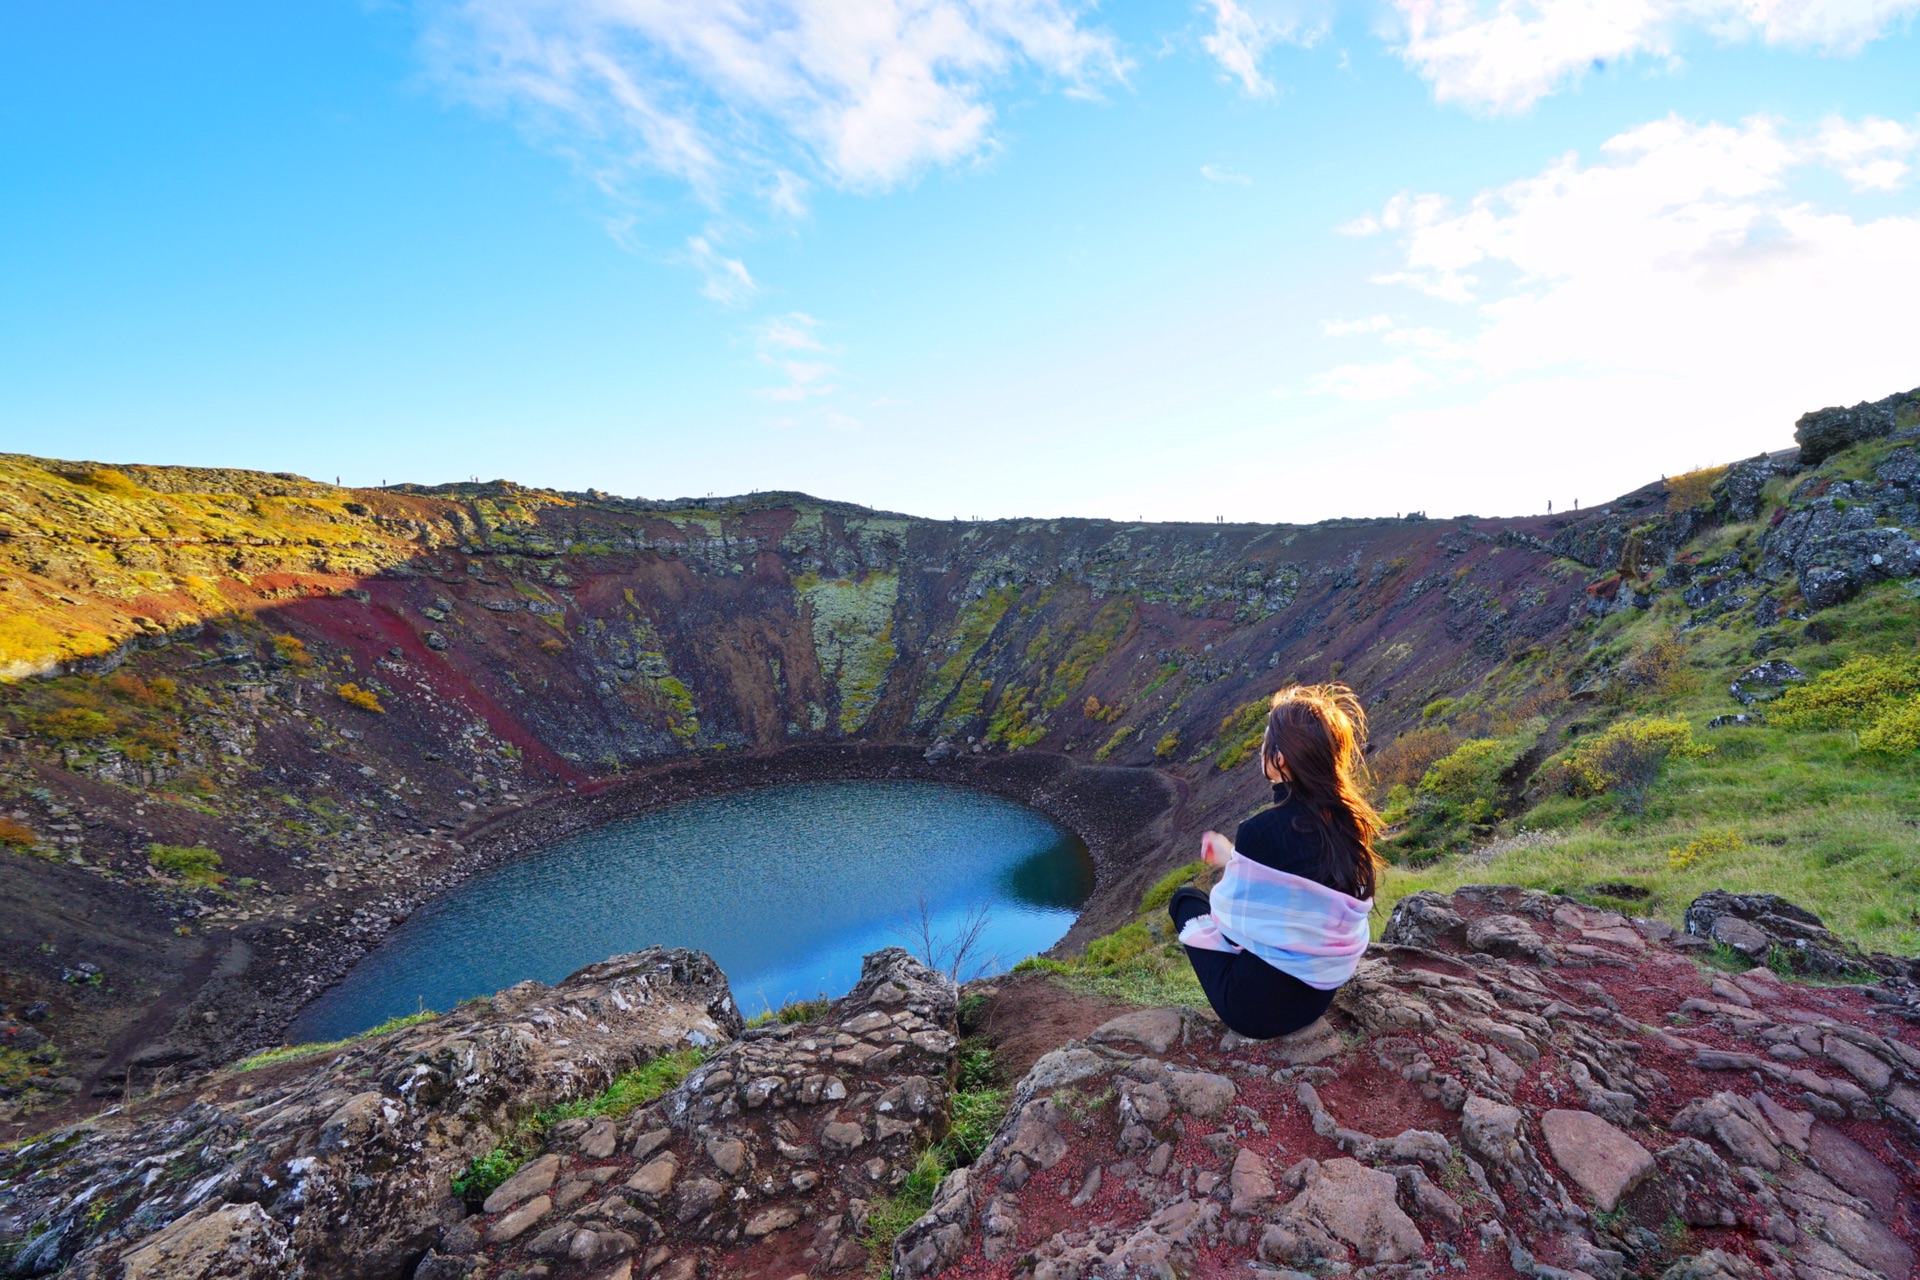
column 1215, row 849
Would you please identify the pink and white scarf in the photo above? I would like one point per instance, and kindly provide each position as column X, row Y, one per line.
column 1298, row 926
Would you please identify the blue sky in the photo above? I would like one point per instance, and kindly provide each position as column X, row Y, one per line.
column 1241, row 258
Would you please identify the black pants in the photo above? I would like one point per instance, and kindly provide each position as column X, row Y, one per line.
column 1250, row 995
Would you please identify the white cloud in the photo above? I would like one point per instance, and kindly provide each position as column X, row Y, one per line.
column 1872, row 153
column 727, row 280
column 1662, row 305
column 1504, row 55
column 791, row 345
column 756, row 95
column 1243, row 31
column 1222, row 174
column 795, row 331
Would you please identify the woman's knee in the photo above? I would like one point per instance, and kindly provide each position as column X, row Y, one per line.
column 1186, row 903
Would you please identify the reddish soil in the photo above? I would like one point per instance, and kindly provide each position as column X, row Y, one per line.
column 1031, row 1015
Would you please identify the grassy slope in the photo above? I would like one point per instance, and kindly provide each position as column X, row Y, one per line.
column 1818, row 820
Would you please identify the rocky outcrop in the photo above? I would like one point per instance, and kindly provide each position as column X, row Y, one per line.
column 342, row 1170
column 1768, row 929
column 1512, row 1082
column 769, row 1155
column 1825, row 432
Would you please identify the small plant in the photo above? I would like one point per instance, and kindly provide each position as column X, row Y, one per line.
column 1705, row 845
column 354, row 696
column 292, row 651
column 485, row 1174
column 313, row 1048
column 16, row 834
column 629, row 1091
column 1694, row 489
column 1241, row 733
column 1168, row 744
column 74, row 724
column 793, row 1011
column 192, row 864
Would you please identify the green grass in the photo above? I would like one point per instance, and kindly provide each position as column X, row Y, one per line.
column 1806, row 813
column 793, row 1011
column 314, row 1048
column 630, row 1090
column 979, row 1104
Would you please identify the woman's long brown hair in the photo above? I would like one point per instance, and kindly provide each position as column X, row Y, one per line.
column 1319, row 729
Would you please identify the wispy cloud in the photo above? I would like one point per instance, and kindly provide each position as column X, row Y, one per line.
column 764, row 97
column 1243, row 31
column 1221, row 173
column 1502, row 56
column 791, row 345
column 726, row 280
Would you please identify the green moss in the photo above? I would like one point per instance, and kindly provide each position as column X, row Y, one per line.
column 194, row 864
column 853, row 638
column 1088, row 649
column 314, row 1048
column 1240, row 734
column 1015, row 720
column 1162, row 891
column 1113, row 744
column 972, row 629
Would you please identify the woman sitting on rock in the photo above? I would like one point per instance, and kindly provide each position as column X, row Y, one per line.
column 1287, row 922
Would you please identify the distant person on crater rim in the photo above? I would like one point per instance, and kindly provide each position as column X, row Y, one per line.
column 1287, row 922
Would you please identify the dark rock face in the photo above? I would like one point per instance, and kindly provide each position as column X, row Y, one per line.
column 1755, row 924
column 342, row 1171
column 1763, row 682
column 1736, row 495
column 1825, row 432
column 1837, row 548
column 1464, row 1095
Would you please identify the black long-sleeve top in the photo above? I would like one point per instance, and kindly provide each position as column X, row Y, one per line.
column 1286, row 837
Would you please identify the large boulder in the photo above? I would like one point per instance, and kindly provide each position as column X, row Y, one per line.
column 1756, row 924
column 1825, row 432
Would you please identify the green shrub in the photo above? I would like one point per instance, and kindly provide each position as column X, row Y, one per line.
column 1626, row 757
column 485, row 1174
column 1464, row 786
column 74, row 724
column 1168, row 744
column 1896, row 731
column 193, row 864
column 1853, row 696
column 1113, row 743
column 1877, row 695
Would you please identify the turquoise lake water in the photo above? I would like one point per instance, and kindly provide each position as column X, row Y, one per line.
column 786, row 887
